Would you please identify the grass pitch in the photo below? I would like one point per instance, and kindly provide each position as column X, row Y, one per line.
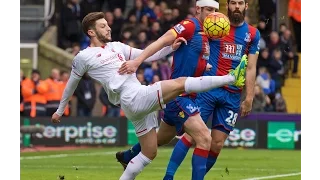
column 100, row 164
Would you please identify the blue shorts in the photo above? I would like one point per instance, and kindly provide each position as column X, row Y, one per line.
column 178, row 111
column 223, row 105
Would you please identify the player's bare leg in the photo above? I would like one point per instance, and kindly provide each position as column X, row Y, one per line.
column 198, row 130
column 165, row 133
column 148, row 153
column 218, row 139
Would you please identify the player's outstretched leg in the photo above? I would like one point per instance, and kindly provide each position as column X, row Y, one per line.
column 172, row 88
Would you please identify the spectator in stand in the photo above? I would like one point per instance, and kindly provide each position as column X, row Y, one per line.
column 137, row 10
column 131, row 43
column 158, row 12
column 274, row 42
column 155, row 79
column 261, row 102
column 88, row 6
column 276, row 68
column 75, row 49
column 22, row 77
column 140, row 77
column 294, row 12
column 265, row 82
column 176, row 15
column 282, row 28
column 86, row 95
column 131, row 25
column 144, row 23
column 142, row 40
column 280, row 103
column 112, row 4
column 109, row 109
column 117, row 24
column 263, row 59
column 264, row 34
column 288, row 51
column 267, row 10
column 33, row 92
column 71, row 31
column 155, row 32
column 53, row 95
column 165, row 69
column 126, row 36
column 167, row 21
column 151, row 13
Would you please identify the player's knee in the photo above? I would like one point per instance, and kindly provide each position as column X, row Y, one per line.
column 203, row 141
column 180, row 83
column 189, row 138
column 216, row 144
column 150, row 153
column 162, row 142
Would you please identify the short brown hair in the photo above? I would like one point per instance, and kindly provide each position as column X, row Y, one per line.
column 89, row 21
column 229, row 1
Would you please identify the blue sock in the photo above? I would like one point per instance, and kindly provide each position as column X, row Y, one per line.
column 212, row 158
column 178, row 154
column 199, row 161
column 132, row 152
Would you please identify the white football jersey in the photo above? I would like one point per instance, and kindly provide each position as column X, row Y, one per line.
column 102, row 64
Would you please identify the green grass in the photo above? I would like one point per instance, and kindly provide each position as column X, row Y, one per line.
column 100, row 164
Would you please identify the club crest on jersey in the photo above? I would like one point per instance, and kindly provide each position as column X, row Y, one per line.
column 179, row 28
column 181, row 114
column 248, row 37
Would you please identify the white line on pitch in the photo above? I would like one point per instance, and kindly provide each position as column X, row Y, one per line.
column 74, row 155
column 274, row 176
column 117, row 167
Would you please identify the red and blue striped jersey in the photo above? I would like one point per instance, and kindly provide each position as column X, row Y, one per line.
column 190, row 60
column 226, row 53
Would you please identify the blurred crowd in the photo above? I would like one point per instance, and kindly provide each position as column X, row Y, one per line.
column 138, row 27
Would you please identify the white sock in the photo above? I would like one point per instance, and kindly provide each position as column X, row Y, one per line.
column 135, row 166
column 206, row 83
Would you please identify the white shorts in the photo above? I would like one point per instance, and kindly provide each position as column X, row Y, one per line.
column 146, row 99
column 146, row 124
column 139, row 109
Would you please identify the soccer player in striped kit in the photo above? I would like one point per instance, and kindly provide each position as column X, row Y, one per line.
column 182, row 113
column 224, row 103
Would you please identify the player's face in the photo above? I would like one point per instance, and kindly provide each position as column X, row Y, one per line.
column 102, row 31
column 237, row 11
column 205, row 11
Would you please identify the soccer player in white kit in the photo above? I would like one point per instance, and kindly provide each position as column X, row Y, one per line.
column 102, row 60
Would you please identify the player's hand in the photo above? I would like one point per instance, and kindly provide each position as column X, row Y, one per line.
column 246, row 107
column 176, row 44
column 208, row 67
column 129, row 67
column 55, row 118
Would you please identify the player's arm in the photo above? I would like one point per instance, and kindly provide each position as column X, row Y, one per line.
column 78, row 69
column 251, row 73
column 132, row 53
column 184, row 29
